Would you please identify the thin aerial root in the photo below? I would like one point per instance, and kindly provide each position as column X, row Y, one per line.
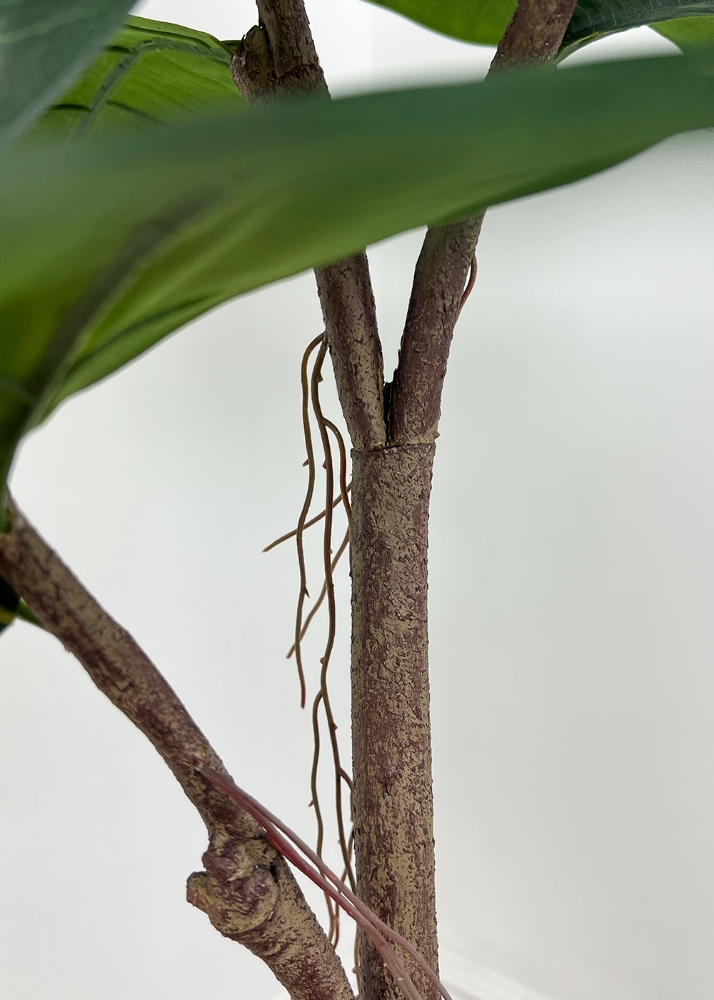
column 323, row 425
column 308, row 524
column 310, row 382
column 469, row 284
column 323, row 593
column 333, row 912
column 344, row 488
column 304, row 512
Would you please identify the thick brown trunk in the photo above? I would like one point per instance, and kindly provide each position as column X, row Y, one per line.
column 391, row 737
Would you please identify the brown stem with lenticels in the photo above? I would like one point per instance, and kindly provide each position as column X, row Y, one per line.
column 247, row 890
column 277, row 58
column 445, row 267
column 392, row 464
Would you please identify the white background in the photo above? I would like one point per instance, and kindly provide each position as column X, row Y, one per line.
column 571, row 588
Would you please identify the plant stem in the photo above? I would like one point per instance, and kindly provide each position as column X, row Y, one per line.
column 391, row 735
column 532, row 37
column 247, row 890
column 277, row 58
column 392, row 468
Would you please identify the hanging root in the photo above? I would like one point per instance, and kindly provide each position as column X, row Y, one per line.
column 470, row 282
column 333, row 930
column 328, row 432
column 308, row 524
column 323, row 593
column 325, row 427
column 303, row 513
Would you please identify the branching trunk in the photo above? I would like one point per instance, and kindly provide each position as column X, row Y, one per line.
column 247, row 890
column 392, row 465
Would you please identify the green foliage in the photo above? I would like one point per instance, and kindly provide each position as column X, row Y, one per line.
column 484, row 21
column 44, row 45
column 9, row 604
column 688, row 32
column 151, row 72
column 113, row 242
column 174, row 201
column 480, row 21
column 594, row 19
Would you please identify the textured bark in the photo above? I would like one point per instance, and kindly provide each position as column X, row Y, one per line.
column 391, row 486
column 533, row 36
column 439, row 280
column 391, row 735
column 293, row 49
column 247, row 890
column 348, row 309
column 277, row 58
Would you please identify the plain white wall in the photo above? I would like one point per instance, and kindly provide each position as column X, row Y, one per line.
column 570, row 597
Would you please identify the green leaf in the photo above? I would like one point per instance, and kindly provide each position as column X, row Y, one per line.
column 12, row 607
column 595, row 19
column 688, row 32
column 480, row 21
column 9, row 604
column 44, row 45
column 111, row 243
column 484, row 21
column 151, row 72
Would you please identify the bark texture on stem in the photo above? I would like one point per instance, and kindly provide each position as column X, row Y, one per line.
column 391, row 734
column 291, row 43
column 247, row 889
column 277, row 58
column 532, row 37
column 439, row 280
column 534, row 33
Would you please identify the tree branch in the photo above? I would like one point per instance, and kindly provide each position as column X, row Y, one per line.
column 247, row 890
column 532, row 37
column 275, row 59
column 534, row 34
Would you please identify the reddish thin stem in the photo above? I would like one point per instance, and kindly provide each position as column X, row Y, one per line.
column 369, row 921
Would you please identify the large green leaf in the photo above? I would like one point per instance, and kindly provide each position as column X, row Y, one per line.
column 150, row 72
column 44, row 46
column 688, row 32
column 484, row 21
column 594, row 19
column 111, row 243
column 480, row 21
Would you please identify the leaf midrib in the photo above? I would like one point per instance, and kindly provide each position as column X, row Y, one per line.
column 123, row 67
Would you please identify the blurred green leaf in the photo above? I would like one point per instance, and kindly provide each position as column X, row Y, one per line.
column 9, row 604
column 595, row 19
column 150, row 72
column 111, row 243
column 44, row 46
column 12, row 607
column 688, row 32
column 484, row 21
column 480, row 21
